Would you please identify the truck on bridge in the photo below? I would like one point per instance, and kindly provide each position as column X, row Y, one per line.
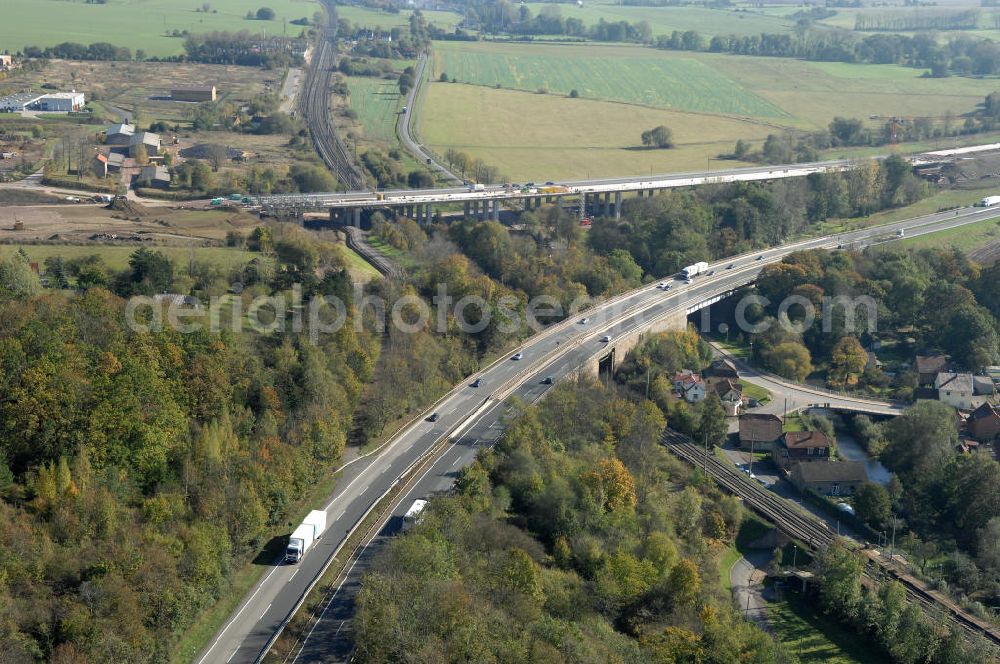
column 691, row 271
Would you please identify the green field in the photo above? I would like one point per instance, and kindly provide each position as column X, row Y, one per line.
column 664, row 20
column 967, row 238
column 138, row 24
column 708, row 100
column 377, row 102
column 813, row 637
column 628, row 74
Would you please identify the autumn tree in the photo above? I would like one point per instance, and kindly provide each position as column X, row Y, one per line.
column 847, row 361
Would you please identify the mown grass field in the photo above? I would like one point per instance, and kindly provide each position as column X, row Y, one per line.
column 813, row 637
column 138, row 24
column 664, row 20
column 708, row 100
column 597, row 71
column 377, row 102
column 531, row 136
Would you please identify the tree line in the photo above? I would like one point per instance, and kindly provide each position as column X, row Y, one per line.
column 967, row 19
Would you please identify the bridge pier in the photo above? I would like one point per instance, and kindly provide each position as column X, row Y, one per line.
column 527, row 204
column 618, row 205
column 606, row 205
column 356, row 222
column 583, row 206
column 465, row 207
column 538, row 202
column 484, row 210
column 496, row 210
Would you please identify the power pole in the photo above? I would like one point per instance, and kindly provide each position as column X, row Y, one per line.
column 892, row 547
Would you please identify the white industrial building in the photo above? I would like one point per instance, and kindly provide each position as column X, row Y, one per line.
column 55, row 102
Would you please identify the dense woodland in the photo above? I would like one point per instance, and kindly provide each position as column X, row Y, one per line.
column 948, row 518
column 138, row 470
column 576, row 539
column 928, row 300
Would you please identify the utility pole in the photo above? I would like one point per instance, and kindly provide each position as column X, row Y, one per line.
column 753, row 440
column 892, row 547
column 795, row 556
column 705, row 465
column 647, row 381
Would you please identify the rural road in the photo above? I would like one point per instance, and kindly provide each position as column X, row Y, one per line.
column 404, row 123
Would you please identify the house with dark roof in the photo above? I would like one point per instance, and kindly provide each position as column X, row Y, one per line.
column 983, row 424
column 837, row 478
column 759, row 431
column 730, row 394
column 929, row 366
column 723, row 368
column 801, row 446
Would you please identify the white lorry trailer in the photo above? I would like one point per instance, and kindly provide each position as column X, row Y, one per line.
column 989, row 201
column 692, row 270
column 302, row 539
column 412, row 516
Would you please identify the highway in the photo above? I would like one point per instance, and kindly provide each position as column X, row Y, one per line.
column 466, row 194
column 557, row 351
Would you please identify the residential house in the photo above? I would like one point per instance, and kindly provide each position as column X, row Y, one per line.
column 929, row 366
column 146, row 138
column 983, row 424
column 730, row 394
column 760, row 431
column 689, row 385
column 723, row 368
column 119, row 135
column 801, row 446
column 840, row 478
column 154, row 176
column 955, row 389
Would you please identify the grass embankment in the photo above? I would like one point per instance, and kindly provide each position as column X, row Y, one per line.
column 116, row 256
column 814, row 637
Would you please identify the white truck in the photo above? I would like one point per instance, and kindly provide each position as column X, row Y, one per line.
column 691, row 270
column 478, row 186
column 412, row 516
column 303, row 537
column 989, row 201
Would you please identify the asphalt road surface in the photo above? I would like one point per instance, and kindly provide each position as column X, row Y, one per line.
column 558, row 352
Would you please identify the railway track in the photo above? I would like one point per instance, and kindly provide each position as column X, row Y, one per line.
column 315, row 107
column 815, row 533
column 356, row 241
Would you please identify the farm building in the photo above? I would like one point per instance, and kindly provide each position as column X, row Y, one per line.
column 149, row 139
column 119, row 134
column 154, row 176
column 194, row 93
column 105, row 164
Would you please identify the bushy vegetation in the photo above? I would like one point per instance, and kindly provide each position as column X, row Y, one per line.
column 139, row 469
column 577, row 539
column 886, row 619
